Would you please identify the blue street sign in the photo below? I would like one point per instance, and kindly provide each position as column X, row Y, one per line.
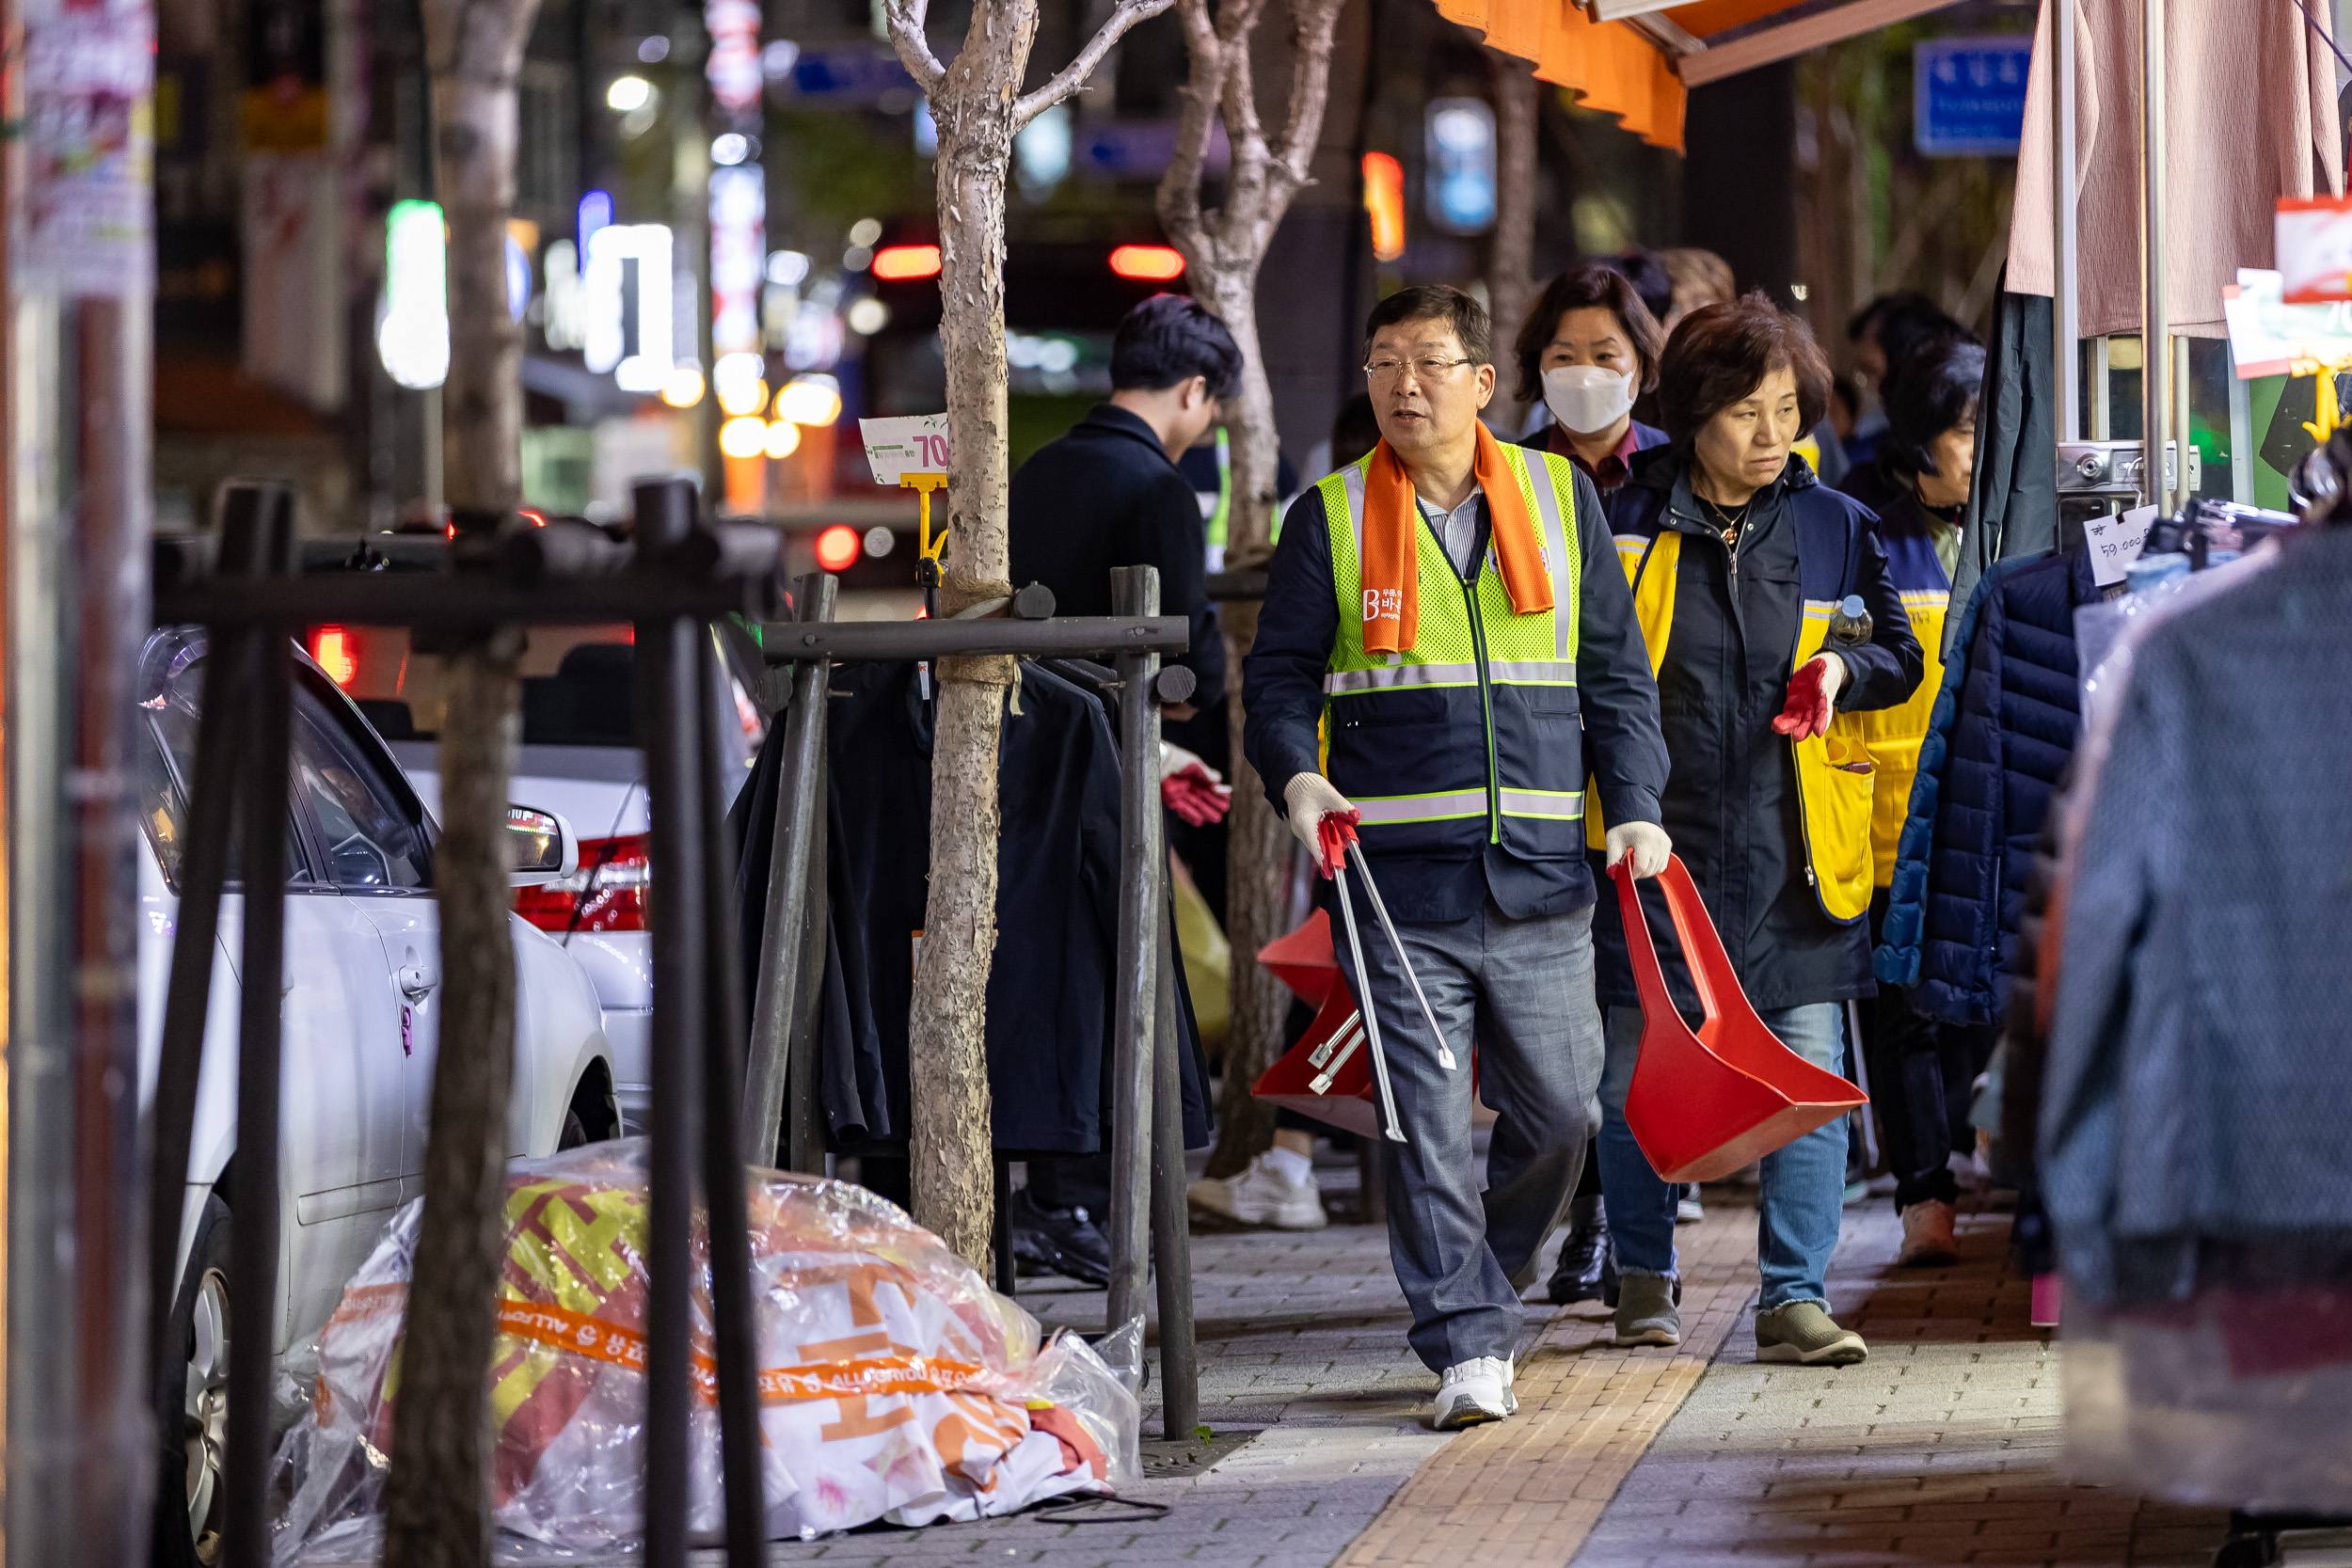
column 1969, row 96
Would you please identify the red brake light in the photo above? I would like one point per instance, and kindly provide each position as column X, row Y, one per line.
column 608, row 892
column 331, row 646
column 838, row 547
column 899, row 262
column 1147, row 260
column 1384, row 199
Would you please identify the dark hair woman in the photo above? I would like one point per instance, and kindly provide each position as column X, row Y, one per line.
column 1588, row 348
column 1740, row 560
column 1920, row 1074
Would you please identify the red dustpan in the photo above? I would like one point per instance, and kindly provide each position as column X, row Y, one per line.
column 1303, row 960
column 1705, row 1104
column 1327, row 1074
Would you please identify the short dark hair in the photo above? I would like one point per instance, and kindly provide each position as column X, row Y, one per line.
column 1355, row 432
column 1591, row 286
column 1906, row 324
column 1935, row 392
column 1648, row 276
column 1169, row 338
column 1722, row 353
column 1436, row 302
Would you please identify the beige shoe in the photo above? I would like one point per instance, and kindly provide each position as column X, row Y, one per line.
column 1803, row 1333
column 1927, row 1241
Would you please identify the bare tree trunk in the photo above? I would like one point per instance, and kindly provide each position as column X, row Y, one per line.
column 978, row 106
column 1223, row 251
column 1510, row 283
column 437, row 1502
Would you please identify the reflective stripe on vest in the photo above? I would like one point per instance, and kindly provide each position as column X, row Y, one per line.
column 1517, row 672
column 1443, row 805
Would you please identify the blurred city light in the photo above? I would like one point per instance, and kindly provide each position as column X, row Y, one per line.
column 630, row 338
column 1384, row 201
column 595, row 212
column 654, row 48
column 683, row 387
column 868, row 316
column 838, row 547
column 730, row 147
column 746, row 436
column 785, row 268
column 865, row 231
column 412, row 337
column 1459, row 157
column 814, row 400
column 331, row 649
column 740, row 382
column 784, row 439
column 627, row 94
column 899, row 263
column 1147, row 260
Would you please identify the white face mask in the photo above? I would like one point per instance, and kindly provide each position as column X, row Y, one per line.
column 1587, row 399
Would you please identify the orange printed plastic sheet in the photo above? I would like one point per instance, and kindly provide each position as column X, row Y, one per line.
column 894, row 1383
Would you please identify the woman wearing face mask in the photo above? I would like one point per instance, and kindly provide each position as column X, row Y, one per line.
column 1588, row 349
column 1740, row 560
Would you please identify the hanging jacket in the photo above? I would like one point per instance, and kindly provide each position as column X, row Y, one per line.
column 1775, row 832
column 1049, row 1001
column 1893, row 735
column 1467, row 754
column 2003, row 729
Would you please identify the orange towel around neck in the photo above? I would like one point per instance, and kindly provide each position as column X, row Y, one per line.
column 1388, row 571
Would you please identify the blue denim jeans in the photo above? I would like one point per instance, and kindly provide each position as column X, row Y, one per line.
column 1804, row 1183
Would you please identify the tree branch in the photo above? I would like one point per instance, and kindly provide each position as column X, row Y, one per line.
column 1178, row 196
column 905, row 21
column 1068, row 79
column 1313, row 24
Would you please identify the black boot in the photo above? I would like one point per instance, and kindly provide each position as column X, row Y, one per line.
column 1586, row 1268
column 1065, row 1241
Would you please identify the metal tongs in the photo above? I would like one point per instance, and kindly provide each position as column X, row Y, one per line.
column 1340, row 844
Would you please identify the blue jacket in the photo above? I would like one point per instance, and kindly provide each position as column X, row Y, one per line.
column 2002, row 733
column 1616, row 500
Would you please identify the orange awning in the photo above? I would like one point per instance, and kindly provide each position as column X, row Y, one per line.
column 1628, row 69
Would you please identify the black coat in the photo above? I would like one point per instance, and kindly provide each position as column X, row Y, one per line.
column 1049, row 1002
column 1730, row 802
column 1106, row 495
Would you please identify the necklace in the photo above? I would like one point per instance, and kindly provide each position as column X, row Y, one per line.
column 1729, row 519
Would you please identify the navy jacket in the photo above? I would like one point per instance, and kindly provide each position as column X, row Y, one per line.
column 1613, row 705
column 1731, row 803
column 1613, row 497
column 2003, row 731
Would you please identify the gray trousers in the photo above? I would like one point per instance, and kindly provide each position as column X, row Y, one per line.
column 1523, row 990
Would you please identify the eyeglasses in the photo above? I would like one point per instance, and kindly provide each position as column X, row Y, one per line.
column 1424, row 369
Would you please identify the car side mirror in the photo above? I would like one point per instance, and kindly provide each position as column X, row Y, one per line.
column 541, row 847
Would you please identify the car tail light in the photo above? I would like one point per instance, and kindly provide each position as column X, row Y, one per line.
column 333, row 649
column 608, row 892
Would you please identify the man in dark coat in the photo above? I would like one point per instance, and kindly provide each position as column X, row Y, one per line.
column 1107, row 494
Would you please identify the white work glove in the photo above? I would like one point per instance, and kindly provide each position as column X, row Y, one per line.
column 1309, row 798
column 1175, row 759
column 1646, row 842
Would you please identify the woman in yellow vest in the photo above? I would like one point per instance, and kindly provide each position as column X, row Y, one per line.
column 1770, row 618
column 1920, row 1070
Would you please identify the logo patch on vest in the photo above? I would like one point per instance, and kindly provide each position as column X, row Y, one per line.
column 1384, row 604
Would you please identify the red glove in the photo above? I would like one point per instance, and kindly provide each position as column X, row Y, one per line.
column 1194, row 795
column 1812, row 696
column 1337, row 831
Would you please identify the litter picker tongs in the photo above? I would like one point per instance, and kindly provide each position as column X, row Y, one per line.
column 1340, row 844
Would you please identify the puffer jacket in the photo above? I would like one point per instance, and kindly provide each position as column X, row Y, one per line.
column 2003, row 731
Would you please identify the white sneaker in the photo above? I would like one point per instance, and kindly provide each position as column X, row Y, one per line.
column 1262, row 1196
column 1473, row 1391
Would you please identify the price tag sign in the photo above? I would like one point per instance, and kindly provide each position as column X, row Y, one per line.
column 915, row 445
column 2115, row 542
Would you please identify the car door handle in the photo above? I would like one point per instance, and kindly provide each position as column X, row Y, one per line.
column 415, row 982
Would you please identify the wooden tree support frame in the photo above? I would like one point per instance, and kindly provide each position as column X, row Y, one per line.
column 1147, row 1105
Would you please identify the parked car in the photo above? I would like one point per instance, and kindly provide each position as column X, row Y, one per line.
column 580, row 758
column 361, row 1024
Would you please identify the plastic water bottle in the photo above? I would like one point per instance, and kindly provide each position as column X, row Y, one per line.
column 1850, row 623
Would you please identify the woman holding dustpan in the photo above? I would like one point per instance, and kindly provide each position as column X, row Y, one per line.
column 1769, row 612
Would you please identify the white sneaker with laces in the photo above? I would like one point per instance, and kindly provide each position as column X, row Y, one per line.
column 1262, row 1196
column 1472, row 1392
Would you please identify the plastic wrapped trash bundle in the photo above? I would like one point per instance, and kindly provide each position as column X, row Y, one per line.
column 894, row 1384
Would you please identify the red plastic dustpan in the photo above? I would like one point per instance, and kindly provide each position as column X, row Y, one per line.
column 1304, row 960
column 1334, row 1053
column 1705, row 1102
